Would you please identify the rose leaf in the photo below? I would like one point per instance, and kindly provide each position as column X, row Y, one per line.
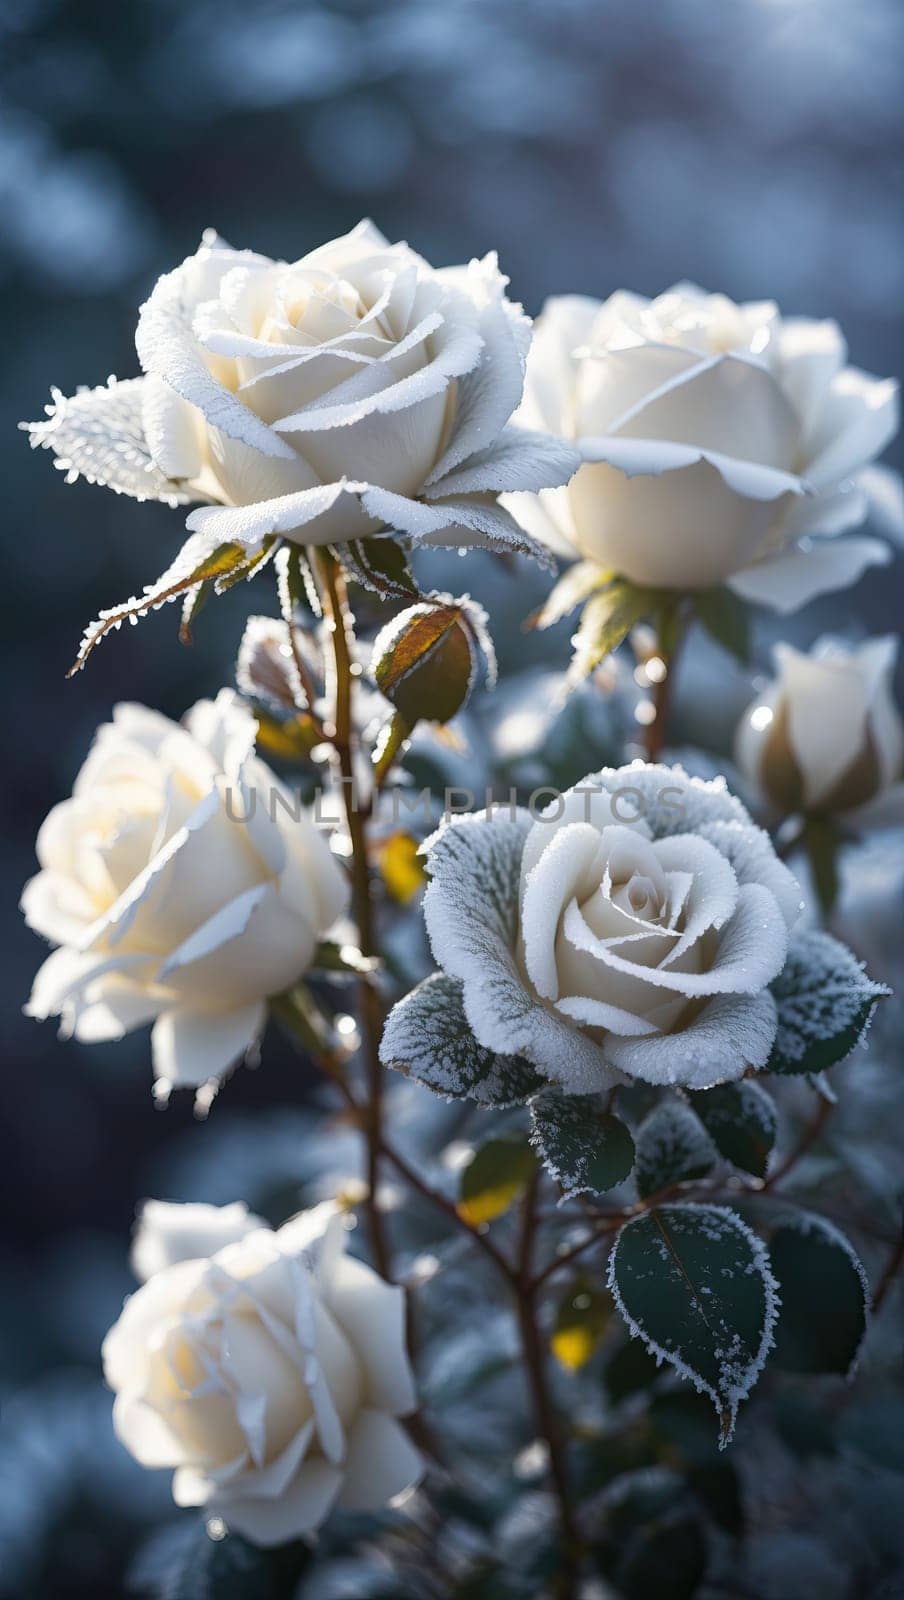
column 672, row 1147
column 428, row 1037
column 740, row 1119
column 825, row 1003
column 586, row 1150
column 695, row 1285
column 824, row 1294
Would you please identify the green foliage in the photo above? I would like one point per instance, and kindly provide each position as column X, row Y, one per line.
column 629, row 1369
column 586, row 1149
column 285, row 739
column 654, row 1546
column 726, row 619
column 740, row 1118
column 379, row 564
column 672, row 1147
column 295, row 582
column 425, row 661
column 824, row 1295
column 428, row 1037
column 606, row 620
column 576, row 583
column 582, row 1317
column 497, row 1175
column 825, row 1001
column 694, row 1283
column 202, row 1568
column 821, row 840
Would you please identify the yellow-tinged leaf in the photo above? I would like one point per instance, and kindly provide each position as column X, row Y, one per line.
column 498, row 1174
column 291, row 741
column 581, row 1321
column 401, row 867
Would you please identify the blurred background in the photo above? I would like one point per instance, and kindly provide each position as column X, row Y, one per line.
column 756, row 146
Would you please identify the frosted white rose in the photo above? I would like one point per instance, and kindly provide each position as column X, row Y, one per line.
column 268, row 1372
column 177, row 890
column 718, row 441
column 826, row 736
column 630, row 931
column 324, row 399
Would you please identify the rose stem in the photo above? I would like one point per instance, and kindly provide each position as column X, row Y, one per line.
column 340, row 623
column 524, row 1287
column 808, row 1138
column 655, row 731
column 535, row 1364
column 892, row 1268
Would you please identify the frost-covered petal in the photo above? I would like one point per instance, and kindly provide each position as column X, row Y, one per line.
column 565, row 869
column 471, row 909
column 731, row 1034
column 321, row 512
column 487, row 396
column 456, row 521
column 101, row 435
column 167, row 346
column 518, row 460
column 750, row 952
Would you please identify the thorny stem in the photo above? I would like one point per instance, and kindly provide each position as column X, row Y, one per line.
column 525, row 1286
column 339, row 626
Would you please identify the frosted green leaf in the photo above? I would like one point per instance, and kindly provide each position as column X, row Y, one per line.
column 825, row 1003
column 427, row 1037
column 740, row 1119
column 672, row 1147
column 825, row 1297
column 695, row 1285
column 586, row 1150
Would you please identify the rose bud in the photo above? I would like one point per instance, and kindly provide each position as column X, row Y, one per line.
column 825, row 737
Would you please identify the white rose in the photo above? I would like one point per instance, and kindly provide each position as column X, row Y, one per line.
column 178, row 889
column 324, row 400
column 269, row 1373
column 630, row 930
column 826, row 735
column 717, row 440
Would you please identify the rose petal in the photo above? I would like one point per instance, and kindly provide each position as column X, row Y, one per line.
column 381, row 1463
column 194, row 1047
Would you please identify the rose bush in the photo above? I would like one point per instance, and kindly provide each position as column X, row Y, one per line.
column 630, row 931
column 178, row 891
column 268, row 1368
column 825, row 736
column 323, row 400
column 717, row 440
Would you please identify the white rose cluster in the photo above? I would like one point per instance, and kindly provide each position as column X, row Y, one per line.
column 178, row 890
column 825, row 737
column 631, row 930
column 268, row 1369
column 721, row 443
column 324, row 399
